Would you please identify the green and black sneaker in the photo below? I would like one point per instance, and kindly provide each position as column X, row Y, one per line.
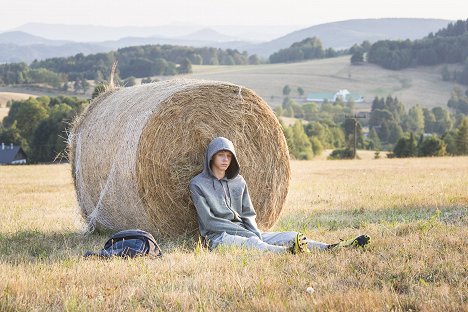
column 299, row 245
column 359, row 241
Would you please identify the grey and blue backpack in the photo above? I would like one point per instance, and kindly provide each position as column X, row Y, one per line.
column 129, row 244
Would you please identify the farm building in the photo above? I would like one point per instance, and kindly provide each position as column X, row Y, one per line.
column 344, row 95
column 12, row 155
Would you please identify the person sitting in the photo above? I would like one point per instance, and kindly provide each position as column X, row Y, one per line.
column 226, row 216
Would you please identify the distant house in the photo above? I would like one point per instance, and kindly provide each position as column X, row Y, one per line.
column 12, row 155
column 344, row 95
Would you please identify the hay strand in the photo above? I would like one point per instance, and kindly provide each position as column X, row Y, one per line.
column 135, row 150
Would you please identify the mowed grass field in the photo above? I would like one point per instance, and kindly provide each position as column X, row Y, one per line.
column 421, row 85
column 414, row 209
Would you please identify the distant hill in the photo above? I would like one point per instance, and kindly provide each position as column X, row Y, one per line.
column 342, row 35
column 18, row 46
column 24, row 39
column 94, row 33
column 208, row 34
column 12, row 53
column 337, row 35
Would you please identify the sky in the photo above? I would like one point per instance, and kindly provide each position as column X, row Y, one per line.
column 219, row 12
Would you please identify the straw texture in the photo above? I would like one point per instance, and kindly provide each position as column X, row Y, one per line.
column 134, row 151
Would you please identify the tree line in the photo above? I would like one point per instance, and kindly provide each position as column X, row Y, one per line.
column 39, row 125
column 138, row 61
column 448, row 45
column 330, row 125
column 307, row 49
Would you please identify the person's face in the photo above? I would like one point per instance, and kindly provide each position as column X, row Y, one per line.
column 222, row 160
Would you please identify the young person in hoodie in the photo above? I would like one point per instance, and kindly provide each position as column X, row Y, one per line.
column 225, row 212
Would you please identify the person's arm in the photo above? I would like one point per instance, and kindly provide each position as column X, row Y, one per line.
column 248, row 214
column 210, row 222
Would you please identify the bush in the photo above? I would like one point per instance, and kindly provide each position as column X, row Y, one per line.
column 405, row 147
column 432, row 146
column 345, row 153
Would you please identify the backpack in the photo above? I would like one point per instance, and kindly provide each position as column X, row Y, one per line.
column 129, row 244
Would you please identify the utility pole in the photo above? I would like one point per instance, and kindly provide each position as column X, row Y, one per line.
column 355, row 118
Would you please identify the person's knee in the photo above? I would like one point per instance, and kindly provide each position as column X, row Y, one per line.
column 254, row 241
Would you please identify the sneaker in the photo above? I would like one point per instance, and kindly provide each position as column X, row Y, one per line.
column 359, row 241
column 299, row 244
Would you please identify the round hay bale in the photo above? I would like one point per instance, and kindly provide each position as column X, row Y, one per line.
column 134, row 151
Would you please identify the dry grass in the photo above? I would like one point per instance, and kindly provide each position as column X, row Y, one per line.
column 8, row 96
column 414, row 209
column 421, row 85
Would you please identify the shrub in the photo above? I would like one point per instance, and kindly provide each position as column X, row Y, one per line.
column 345, row 153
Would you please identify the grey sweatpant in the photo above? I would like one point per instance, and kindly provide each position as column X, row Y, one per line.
column 277, row 242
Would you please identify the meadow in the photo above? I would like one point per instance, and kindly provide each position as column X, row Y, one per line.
column 421, row 85
column 414, row 209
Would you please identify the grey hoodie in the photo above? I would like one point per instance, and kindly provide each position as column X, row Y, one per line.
column 223, row 205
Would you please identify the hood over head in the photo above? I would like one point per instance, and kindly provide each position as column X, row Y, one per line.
column 220, row 144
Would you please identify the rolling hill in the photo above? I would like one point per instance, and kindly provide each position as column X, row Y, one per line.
column 342, row 35
column 421, row 85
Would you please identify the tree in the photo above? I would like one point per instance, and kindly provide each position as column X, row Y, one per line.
column 405, row 147
column 299, row 144
column 317, row 146
column 450, row 140
column 12, row 135
column 309, row 48
column 186, row 67
column 27, row 114
column 303, row 147
column 395, row 133
column 298, row 112
column 300, row 91
column 415, row 120
column 286, row 90
column 374, row 138
column 254, row 59
column 429, row 121
column 446, row 74
column 458, row 101
column 432, row 146
column 196, row 59
column 42, row 75
column 310, row 111
column 378, row 103
column 357, row 58
column 462, row 137
column 443, row 120
column 288, row 134
column 351, row 127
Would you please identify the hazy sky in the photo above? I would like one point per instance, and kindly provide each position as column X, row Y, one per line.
column 220, row 12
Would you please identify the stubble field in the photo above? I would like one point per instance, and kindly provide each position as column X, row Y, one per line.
column 414, row 209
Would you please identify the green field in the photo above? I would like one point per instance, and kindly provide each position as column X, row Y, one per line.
column 414, row 209
column 421, row 85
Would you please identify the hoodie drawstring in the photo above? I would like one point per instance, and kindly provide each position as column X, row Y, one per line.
column 229, row 203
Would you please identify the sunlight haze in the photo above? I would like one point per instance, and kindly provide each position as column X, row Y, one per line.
column 213, row 12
